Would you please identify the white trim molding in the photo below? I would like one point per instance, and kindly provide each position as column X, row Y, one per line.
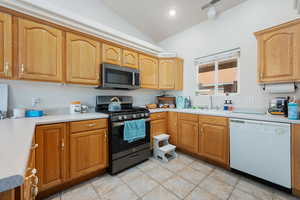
column 46, row 11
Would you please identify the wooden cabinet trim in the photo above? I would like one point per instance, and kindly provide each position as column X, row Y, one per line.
column 7, row 48
column 188, row 117
column 158, row 115
column 88, row 125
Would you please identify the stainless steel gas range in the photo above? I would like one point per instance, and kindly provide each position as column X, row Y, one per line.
column 124, row 154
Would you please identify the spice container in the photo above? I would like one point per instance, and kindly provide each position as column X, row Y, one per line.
column 75, row 107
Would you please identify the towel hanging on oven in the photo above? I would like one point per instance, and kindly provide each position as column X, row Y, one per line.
column 134, row 130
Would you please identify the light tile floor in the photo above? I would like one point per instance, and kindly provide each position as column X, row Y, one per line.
column 184, row 178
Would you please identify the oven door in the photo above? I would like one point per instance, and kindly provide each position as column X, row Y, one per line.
column 114, row 76
column 119, row 147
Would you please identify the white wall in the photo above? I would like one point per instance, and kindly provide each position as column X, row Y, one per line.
column 97, row 11
column 55, row 96
column 234, row 28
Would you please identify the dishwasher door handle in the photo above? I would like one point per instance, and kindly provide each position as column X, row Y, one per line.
column 237, row 121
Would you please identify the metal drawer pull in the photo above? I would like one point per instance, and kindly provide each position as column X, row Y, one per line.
column 34, row 146
column 122, row 123
column 33, row 174
column 91, row 125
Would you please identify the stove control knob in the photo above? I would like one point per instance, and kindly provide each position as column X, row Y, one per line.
column 120, row 118
column 125, row 117
column 146, row 114
column 134, row 116
column 142, row 115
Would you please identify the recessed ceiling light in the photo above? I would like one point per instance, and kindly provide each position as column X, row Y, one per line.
column 172, row 12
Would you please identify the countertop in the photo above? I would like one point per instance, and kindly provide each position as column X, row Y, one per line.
column 15, row 142
column 230, row 114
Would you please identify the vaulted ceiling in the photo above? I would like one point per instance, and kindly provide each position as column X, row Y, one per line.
column 152, row 16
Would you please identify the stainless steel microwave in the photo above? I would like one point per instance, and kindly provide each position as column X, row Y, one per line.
column 118, row 77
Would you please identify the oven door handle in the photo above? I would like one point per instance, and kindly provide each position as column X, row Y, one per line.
column 116, row 124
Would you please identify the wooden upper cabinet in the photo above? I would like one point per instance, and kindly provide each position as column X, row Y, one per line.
column 130, row 59
column 51, row 155
column 188, row 136
column 40, row 51
column 5, row 45
column 111, row 54
column 167, row 73
column 88, row 152
column 149, row 72
column 83, row 60
column 179, row 74
column 278, row 50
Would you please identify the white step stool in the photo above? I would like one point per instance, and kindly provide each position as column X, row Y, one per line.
column 166, row 151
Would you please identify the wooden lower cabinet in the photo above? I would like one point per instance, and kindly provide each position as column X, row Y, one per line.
column 88, row 152
column 158, row 125
column 51, row 155
column 296, row 159
column 173, row 127
column 188, row 136
column 214, row 139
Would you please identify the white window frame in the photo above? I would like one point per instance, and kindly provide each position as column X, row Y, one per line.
column 216, row 58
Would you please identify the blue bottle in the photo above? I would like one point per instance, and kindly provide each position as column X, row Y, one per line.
column 293, row 110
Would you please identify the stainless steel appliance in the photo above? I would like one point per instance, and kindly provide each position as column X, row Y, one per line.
column 123, row 154
column 117, row 77
column 278, row 106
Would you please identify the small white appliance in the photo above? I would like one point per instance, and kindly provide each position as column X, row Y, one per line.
column 261, row 149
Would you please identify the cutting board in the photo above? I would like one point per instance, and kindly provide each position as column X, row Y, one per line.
column 3, row 97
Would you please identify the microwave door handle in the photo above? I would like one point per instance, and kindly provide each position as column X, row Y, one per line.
column 133, row 78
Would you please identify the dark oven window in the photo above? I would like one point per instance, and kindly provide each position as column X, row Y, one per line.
column 113, row 76
column 120, row 144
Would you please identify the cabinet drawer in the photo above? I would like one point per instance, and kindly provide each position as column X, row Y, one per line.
column 88, row 125
column 159, row 115
column 222, row 121
column 188, row 117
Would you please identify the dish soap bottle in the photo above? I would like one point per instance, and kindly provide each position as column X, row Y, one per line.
column 293, row 112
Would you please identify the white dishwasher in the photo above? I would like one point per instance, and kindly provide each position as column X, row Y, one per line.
column 261, row 149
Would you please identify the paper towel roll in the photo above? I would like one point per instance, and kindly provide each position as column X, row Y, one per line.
column 280, row 88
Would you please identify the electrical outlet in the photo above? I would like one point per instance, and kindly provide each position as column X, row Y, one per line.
column 35, row 101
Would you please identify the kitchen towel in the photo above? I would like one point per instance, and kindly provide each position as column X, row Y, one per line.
column 134, row 130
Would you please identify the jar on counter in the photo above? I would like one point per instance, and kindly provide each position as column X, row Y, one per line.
column 75, row 107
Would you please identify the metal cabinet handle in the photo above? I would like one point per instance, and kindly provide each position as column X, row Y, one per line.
column 34, row 146
column 33, row 174
column 91, row 125
column 22, row 68
column 6, row 68
column 62, row 144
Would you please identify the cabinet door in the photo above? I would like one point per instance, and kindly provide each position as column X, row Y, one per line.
column 167, row 72
column 278, row 55
column 130, row 59
column 179, row 74
column 83, row 60
column 50, row 155
column 88, row 152
column 173, row 127
column 40, row 51
column 158, row 127
column 296, row 159
column 111, row 54
column 214, row 143
column 149, row 72
column 5, row 45
column 188, row 136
